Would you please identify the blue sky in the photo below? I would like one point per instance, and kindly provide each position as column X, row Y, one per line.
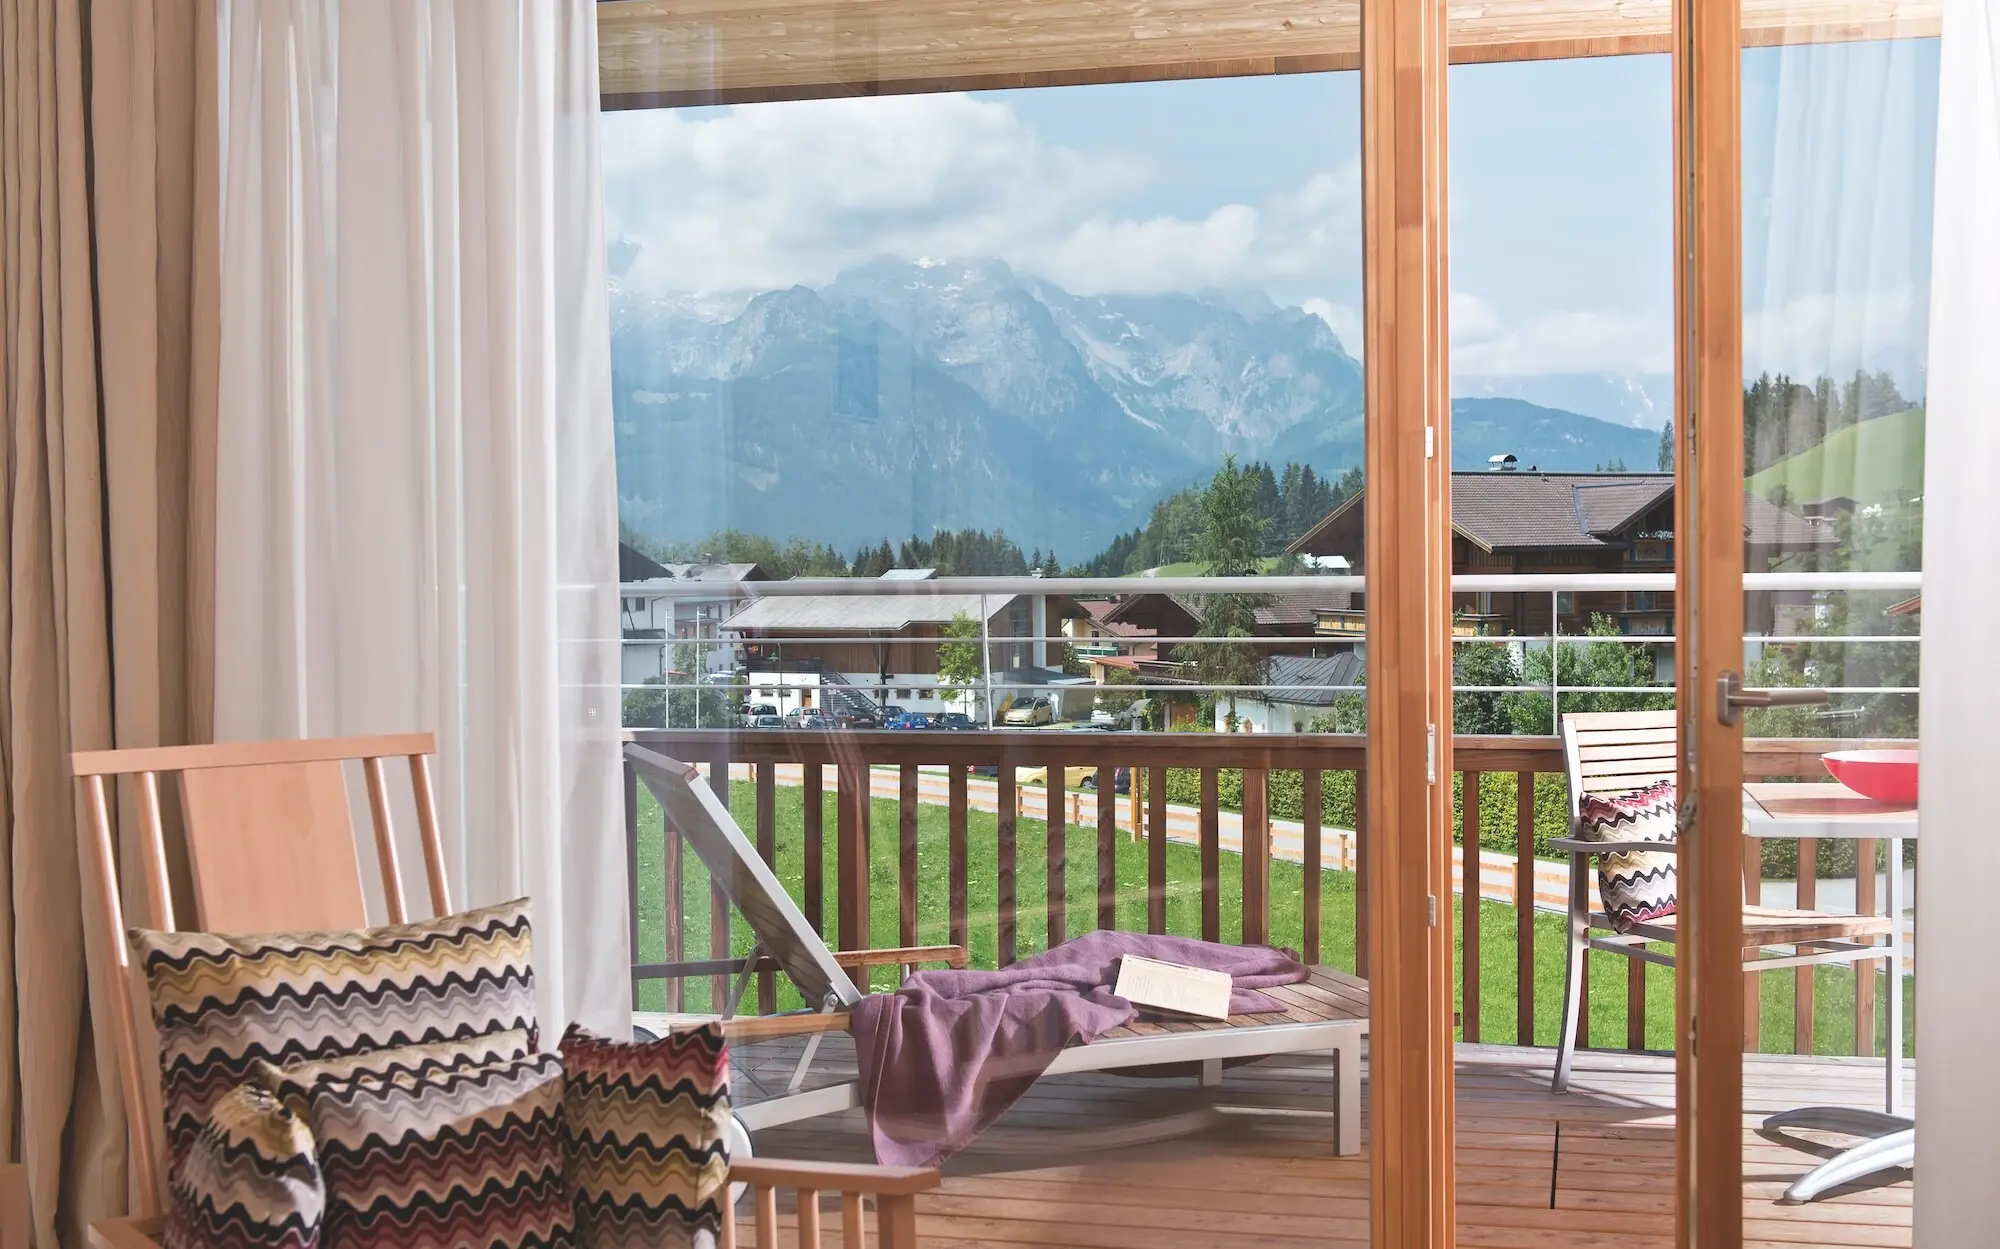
column 1560, row 183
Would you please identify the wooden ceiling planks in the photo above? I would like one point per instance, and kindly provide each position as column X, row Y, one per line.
column 670, row 53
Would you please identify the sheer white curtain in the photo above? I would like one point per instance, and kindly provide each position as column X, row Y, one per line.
column 1958, row 1085
column 416, row 504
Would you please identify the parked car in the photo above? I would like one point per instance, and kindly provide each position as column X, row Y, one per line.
column 1030, row 711
column 911, row 720
column 753, row 712
column 1104, row 718
column 1076, row 776
column 806, row 718
column 845, row 719
column 890, row 711
column 956, row 722
column 767, row 722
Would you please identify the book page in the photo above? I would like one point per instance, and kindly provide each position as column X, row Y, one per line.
column 1173, row 987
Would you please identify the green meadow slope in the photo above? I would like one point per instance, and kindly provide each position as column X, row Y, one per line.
column 1871, row 462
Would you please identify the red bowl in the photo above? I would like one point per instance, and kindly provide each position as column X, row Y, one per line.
column 1884, row 775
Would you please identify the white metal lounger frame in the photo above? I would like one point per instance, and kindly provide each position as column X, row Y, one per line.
column 781, row 931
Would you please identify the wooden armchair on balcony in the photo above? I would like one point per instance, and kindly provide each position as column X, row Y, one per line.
column 235, row 798
column 1620, row 752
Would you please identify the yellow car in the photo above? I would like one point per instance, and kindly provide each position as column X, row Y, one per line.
column 1077, row 776
column 1031, row 711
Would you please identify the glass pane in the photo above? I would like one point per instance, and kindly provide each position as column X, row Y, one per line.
column 952, row 430
column 1838, row 172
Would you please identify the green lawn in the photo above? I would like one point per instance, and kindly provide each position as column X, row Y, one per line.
column 1872, row 461
column 1834, row 995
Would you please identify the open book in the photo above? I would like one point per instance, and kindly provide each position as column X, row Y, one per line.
column 1173, row 988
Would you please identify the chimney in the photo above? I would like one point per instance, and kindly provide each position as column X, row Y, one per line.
column 1505, row 462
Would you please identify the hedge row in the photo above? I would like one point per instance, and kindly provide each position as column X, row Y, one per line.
column 1497, row 791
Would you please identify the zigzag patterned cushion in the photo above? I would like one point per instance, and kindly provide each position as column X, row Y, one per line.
column 224, row 1003
column 446, row 1157
column 293, row 1083
column 250, row 1180
column 1638, row 886
column 644, row 1132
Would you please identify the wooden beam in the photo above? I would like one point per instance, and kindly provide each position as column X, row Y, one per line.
column 1708, row 608
column 670, row 53
column 1407, row 454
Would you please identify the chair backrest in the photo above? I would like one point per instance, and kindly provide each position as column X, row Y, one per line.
column 1614, row 752
column 271, row 847
column 741, row 873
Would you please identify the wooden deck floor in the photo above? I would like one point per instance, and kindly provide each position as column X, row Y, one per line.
column 1114, row 1163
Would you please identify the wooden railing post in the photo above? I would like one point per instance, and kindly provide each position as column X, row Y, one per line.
column 1256, row 839
column 1753, row 981
column 1361, row 873
column 1008, row 808
column 812, row 796
column 718, row 901
column 850, row 852
column 629, row 778
column 1802, row 980
column 1107, row 846
column 1864, row 971
column 1156, row 850
column 1211, row 857
column 1524, row 908
column 1312, row 794
column 1055, row 826
column 906, row 859
column 956, row 805
column 1468, row 862
column 767, row 850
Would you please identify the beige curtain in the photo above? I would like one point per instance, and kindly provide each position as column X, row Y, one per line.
column 107, row 240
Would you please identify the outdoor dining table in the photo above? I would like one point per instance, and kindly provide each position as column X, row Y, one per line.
column 1824, row 810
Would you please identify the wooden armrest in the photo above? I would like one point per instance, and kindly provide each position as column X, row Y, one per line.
column 839, row 1177
column 1572, row 845
column 949, row 955
column 799, row 1023
column 133, row 1233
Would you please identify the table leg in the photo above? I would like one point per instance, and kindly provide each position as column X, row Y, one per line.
column 1894, row 988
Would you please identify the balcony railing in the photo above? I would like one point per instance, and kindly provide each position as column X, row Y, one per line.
column 1226, row 836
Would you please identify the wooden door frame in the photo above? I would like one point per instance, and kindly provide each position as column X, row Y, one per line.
column 1708, row 520
column 1407, row 451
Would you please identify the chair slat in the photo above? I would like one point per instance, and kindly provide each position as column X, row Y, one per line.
column 385, row 841
column 427, row 834
column 159, row 894
column 111, row 915
column 250, row 878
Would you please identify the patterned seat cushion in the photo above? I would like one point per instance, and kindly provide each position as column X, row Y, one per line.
column 1637, row 886
column 455, row 1156
column 644, row 1125
column 250, row 1180
column 223, row 1003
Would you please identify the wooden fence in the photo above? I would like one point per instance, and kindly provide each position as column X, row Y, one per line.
column 847, row 760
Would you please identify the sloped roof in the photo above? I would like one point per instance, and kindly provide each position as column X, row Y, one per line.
column 636, row 565
column 1546, row 511
column 1293, row 608
column 1291, row 677
column 884, row 613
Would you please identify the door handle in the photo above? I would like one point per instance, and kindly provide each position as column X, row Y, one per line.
column 1732, row 697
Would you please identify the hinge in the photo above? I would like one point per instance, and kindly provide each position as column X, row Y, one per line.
column 1434, row 910
column 1430, row 441
column 1693, row 1050
column 1431, row 754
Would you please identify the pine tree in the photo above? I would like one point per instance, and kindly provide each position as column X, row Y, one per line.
column 1231, row 532
column 1667, row 447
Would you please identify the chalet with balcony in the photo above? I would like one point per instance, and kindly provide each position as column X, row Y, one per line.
column 657, row 612
column 1521, row 522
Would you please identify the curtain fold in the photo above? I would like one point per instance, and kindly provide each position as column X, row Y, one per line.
column 1958, row 1098
column 416, row 510
column 106, row 372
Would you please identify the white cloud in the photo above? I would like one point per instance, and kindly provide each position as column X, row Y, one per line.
column 774, row 195
column 1592, row 341
column 1807, row 335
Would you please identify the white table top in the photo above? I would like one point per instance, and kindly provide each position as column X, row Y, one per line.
column 1822, row 809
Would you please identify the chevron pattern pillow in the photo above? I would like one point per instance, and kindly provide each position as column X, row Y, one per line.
column 250, row 1180
column 1637, row 886
column 468, row 1156
column 223, row 1003
column 293, row 1083
column 644, row 1128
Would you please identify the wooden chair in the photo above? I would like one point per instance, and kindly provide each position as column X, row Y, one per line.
column 271, row 843
column 1615, row 752
column 271, row 846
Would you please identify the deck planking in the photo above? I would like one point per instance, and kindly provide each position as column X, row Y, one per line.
column 1109, row 1162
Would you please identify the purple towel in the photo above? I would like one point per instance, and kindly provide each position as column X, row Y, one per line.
column 949, row 1052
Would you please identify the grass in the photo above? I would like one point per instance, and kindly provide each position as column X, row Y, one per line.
column 1872, row 461
column 1833, row 995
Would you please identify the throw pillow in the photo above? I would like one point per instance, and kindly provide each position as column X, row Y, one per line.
column 1640, row 885
column 644, row 1128
column 293, row 1082
column 223, row 1003
column 445, row 1157
column 250, row 1180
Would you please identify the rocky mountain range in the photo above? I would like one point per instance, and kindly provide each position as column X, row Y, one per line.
column 906, row 397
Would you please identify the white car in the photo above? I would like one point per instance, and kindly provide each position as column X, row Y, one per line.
column 1031, row 711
